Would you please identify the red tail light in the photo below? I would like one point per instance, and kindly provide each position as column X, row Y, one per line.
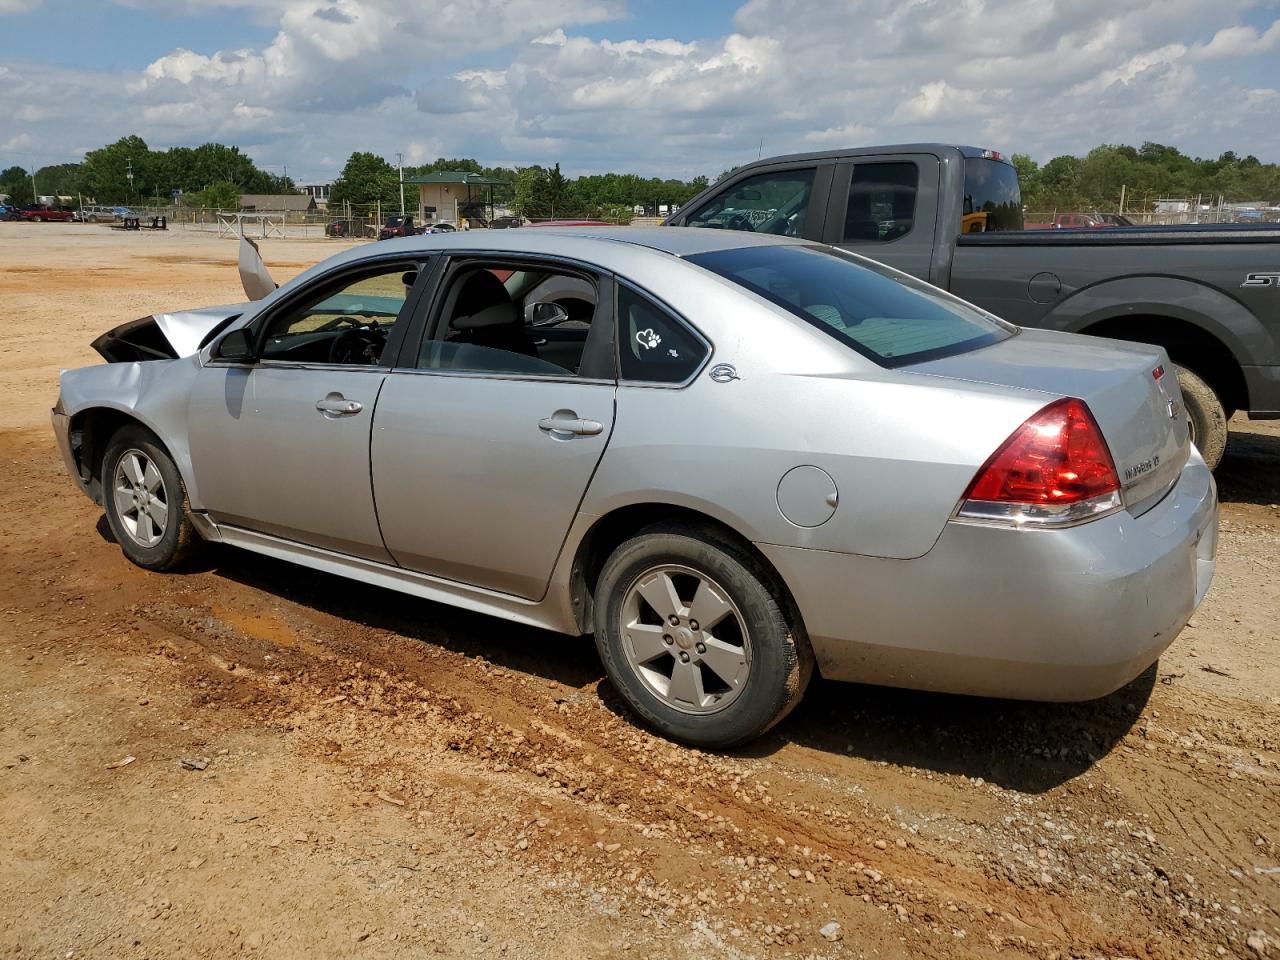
column 1056, row 468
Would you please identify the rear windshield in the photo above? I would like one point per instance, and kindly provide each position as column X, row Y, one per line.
column 886, row 315
column 992, row 198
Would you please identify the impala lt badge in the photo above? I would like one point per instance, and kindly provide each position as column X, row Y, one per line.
column 1267, row 279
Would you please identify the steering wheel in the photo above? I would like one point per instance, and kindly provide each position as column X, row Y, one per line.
column 361, row 345
column 739, row 222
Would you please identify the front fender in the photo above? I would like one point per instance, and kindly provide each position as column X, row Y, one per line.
column 155, row 393
column 1214, row 312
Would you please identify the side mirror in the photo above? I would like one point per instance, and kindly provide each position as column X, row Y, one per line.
column 545, row 313
column 236, row 346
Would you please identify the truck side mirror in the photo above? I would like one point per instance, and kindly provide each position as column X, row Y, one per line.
column 236, row 346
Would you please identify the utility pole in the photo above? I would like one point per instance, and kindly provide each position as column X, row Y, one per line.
column 400, row 167
column 35, row 197
column 128, row 175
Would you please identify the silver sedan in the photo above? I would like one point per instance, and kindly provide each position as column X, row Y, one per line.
column 733, row 459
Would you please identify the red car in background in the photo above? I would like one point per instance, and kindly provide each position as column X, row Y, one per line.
column 39, row 212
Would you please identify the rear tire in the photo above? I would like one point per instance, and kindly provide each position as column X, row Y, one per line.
column 749, row 634
column 146, row 501
column 1206, row 415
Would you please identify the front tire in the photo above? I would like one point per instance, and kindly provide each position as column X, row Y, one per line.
column 694, row 634
column 146, row 501
column 1206, row 414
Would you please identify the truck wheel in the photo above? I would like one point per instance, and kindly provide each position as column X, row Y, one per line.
column 1206, row 415
column 694, row 638
column 37, row 219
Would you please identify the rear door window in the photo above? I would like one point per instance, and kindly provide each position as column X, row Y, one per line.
column 882, row 202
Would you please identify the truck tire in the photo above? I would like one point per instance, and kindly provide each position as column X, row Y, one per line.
column 1206, row 415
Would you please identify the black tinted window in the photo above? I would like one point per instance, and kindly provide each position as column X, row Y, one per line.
column 992, row 198
column 654, row 347
column 766, row 203
column 886, row 315
column 882, row 202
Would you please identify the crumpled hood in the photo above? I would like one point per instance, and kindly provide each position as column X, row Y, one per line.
column 164, row 336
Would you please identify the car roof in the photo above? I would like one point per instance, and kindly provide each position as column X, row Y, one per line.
column 611, row 248
column 678, row 241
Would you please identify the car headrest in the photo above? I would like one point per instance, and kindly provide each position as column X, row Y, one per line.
column 482, row 301
column 498, row 315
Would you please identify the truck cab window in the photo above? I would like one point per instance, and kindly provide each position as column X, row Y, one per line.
column 882, row 202
column 766, row 203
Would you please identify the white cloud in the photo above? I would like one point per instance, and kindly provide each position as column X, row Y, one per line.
column 514, row 81
column 1241, row 41
column 18, row 6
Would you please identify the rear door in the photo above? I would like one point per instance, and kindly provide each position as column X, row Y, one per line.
column 482, row 448
column 885, row 207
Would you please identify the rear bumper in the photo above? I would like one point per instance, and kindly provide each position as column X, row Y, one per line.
column 1028, row 614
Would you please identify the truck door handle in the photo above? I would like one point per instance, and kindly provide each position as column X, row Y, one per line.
column 336, row 405
column 563, row 422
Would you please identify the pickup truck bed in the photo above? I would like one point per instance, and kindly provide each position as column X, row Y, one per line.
column 952, row 215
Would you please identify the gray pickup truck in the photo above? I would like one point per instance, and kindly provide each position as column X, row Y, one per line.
column 952, row 215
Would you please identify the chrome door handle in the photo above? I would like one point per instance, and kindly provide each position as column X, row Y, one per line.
column 571, row 425
column 336, row 405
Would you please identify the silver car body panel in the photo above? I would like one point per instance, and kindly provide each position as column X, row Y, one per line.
column 464, row 499
column 186, row 329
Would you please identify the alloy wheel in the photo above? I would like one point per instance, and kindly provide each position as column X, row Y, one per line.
column 685, row 639
column 141, row 500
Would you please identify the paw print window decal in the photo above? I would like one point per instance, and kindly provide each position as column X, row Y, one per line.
column 648, row 339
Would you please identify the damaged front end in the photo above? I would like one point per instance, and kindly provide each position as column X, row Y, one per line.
column 165, row 336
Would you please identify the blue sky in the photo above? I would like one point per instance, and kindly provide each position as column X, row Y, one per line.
column 654, row 86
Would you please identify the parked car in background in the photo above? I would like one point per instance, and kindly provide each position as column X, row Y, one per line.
column 9, row 212
column 505, row 223
column 396, row 226
column 952, row 215
column 441, row 227
column 100, row 214
column 612, row 473
column 345, row 227
column 41, row 212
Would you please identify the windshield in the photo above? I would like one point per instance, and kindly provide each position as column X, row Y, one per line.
column 886, row 315
column 992, row 197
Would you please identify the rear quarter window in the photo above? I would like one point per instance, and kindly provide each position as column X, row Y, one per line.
column 880, row 312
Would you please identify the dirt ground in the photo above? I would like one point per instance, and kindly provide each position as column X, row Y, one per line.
column 251, row 758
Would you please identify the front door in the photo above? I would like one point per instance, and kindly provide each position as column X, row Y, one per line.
column 488, row 434
column 281, row 446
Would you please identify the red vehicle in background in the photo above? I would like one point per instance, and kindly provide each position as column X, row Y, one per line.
column 39, row 212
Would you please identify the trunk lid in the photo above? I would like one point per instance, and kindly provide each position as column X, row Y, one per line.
column 1131, row 389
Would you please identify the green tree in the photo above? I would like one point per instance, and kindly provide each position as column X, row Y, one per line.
column 16, row 182
column 223, row 195
column 366, row 178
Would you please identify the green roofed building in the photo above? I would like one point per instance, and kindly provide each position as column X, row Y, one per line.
column 454, row 196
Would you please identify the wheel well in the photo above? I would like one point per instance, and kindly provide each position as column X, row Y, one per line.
column 1188, row 346
column 91, row 430
column 614, row 528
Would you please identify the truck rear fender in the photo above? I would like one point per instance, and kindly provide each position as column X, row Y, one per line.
column 1187, row 318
